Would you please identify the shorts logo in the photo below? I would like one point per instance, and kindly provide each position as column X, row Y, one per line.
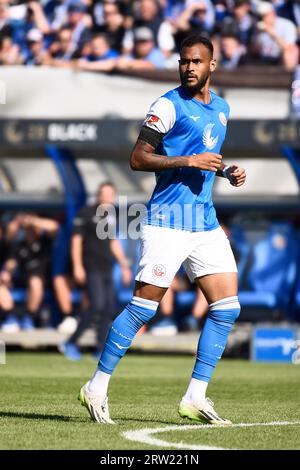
column 151, row 119
column 159, row 270
column 223, row 119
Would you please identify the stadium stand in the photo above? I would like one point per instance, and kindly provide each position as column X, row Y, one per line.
column 116, row 35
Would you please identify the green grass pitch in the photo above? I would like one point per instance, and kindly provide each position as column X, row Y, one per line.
column 39, row 407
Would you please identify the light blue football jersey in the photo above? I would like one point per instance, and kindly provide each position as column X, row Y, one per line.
column 182, row 198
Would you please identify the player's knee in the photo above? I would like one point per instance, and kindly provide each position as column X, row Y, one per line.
column 142, row 310
column 226, row 310
column 137, row 313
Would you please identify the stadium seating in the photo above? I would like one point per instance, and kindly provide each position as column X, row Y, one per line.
column 272, row 273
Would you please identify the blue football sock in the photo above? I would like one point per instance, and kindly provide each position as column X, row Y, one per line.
column 124, row 328
column 221, row 317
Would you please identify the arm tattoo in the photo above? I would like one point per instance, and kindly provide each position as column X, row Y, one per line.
column 149, row 161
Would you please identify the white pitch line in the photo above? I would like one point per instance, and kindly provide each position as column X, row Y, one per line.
column 144, row 435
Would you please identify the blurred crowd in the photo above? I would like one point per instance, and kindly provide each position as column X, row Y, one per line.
column 117, row 35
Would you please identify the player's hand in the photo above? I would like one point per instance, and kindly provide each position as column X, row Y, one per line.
column 207, row 161
column 236, row 175
column 80, row 275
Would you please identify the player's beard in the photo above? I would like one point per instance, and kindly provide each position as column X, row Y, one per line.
column 194, row 89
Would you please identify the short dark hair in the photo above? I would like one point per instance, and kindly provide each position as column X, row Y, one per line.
column 191, row 41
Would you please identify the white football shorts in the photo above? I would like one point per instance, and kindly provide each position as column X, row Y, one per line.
column 164, row 250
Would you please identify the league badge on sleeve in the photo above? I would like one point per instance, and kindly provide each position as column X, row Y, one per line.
column 151, row 119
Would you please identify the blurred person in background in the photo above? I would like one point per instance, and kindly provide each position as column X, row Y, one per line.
column 80, row 25
column 290, row 10
column 36, row 51
column 198, row 16
column 6, row 300
column 149, row 14
column 62, row 48
column 240, row 22
column 92, row 260
column 72, row 39
column 6, row 28
column 172, row 9
column 9, row 52
column 276, row 37
column 37, row 18
column 63, row 286
column 25, row 17
column 113, row 25
column 30, row 14
column 233, row 53
column 244, row 21
column 124, row 7
column 57, row 11
column 101, row 57
column 144, row 55
column 28, row 264
column 63, row 282
column 221, row 8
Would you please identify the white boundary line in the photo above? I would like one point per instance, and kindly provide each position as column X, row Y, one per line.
column 145, row 435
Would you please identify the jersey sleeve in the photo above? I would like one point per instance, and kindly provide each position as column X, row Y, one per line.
column 161, row 116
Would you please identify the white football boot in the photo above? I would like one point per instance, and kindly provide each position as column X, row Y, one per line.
column 97, row 405
column 203, row 411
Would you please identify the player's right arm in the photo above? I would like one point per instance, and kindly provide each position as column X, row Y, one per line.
column 144, row 158
column 159, row 121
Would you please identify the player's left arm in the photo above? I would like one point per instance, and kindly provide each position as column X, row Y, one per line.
column 234, row 173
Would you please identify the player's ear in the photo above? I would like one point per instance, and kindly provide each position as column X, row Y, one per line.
column 213, row 65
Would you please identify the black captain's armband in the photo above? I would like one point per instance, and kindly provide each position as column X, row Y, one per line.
column 151, row 136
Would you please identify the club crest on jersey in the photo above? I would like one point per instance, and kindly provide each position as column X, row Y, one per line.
column 208, row 140
column 159, row 270
column 223, row 119
column 151, row 119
